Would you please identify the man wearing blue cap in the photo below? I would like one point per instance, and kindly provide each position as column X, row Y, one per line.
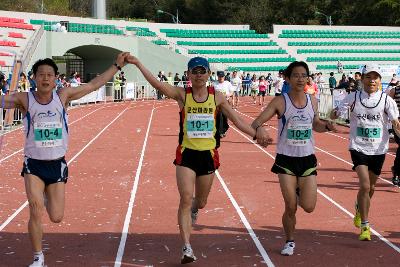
column 196, row 155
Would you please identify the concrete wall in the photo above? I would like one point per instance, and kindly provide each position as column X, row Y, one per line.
column 99, row 52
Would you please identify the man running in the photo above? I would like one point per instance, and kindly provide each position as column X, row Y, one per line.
column 45, row 121
column 371, row 110
column 295, row 162
column 196, row 155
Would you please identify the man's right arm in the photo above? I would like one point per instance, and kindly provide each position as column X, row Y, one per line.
column 13, row 101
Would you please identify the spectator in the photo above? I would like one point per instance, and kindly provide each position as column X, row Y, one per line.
column 262, row 88
column 393, row 81
column 78, row 78
column 236, row 82
column 228, row 77
column 254, row 87
column 278, row 83
column 270, row 81
column 344, row 82
column 184, row 79
column 246, row 84
column 310, row 87
column 32, row 83
column 3, row 84
column 332, row 82
column 339, row 66
column 176, row 79
column 357, row 81
column 23, row 83
column 286, row 85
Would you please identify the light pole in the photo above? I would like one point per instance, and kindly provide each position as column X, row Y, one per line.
column 328, row 18
column 175, row 19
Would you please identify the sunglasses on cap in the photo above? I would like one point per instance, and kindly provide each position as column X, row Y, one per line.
column 198, row 71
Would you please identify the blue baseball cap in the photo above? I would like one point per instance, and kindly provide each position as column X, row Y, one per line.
column 198, row 62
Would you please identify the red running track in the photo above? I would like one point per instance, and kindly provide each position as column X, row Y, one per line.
column 122, row 199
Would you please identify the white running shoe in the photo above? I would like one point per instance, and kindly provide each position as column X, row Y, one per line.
column 288, row 249
column 37, row 262
column 187, row 255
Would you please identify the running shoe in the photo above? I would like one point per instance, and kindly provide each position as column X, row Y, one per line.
column 365, row 234
column 37, row 262
column 187, row 255
column 357, row 217
column 288, row 249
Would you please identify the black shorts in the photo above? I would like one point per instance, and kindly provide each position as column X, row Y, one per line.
column 49, row 171
column 295, row 166
column 261, row 93
column 201, row 162
column 374, row 162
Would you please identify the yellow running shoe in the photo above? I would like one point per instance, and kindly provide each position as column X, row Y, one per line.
column 365, row 234
column 357, row 217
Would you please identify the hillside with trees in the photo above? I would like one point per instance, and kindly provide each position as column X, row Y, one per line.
column 261, row 15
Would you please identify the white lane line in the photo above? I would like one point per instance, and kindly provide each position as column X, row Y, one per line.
column 396, row 248
column 72, row 159
column 245, row 222
column 16, row 152
column 128, row 216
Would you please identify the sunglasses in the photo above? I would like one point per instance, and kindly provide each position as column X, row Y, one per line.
column 198, row 71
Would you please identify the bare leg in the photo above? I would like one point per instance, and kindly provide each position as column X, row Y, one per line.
column 308, row 193
column 55, row 201
column 288, row 185
column 34, row 188
column 185, row 178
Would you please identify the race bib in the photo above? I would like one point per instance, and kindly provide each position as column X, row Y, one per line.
column 299, row 134
column 368, row 133
column 200, row 125
column 48, row 134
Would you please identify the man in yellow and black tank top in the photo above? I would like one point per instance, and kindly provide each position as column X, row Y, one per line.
column 196, row 155
column 198, row 122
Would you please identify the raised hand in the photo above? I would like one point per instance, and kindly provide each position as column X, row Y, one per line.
column 121, row 59
column 132, row 59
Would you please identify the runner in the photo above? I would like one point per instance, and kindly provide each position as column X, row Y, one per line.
column 371, row 110
column 45, row 121
column 196, row 155
column 395, row 94
column 295, row 162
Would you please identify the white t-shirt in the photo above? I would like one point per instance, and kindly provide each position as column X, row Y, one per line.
column 369, row 119
column 225, row 87
column 278, row 84
column 236, row 83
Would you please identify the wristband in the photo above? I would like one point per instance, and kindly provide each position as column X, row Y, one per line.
column 118, row 67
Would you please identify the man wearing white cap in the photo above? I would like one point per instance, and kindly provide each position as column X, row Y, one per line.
column 371, row 110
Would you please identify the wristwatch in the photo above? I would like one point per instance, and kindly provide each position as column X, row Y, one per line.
column 118, row 67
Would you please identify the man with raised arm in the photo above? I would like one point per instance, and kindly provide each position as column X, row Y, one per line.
column 45, row 122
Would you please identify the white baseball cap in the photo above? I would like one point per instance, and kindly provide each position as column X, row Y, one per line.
column 372, row 68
